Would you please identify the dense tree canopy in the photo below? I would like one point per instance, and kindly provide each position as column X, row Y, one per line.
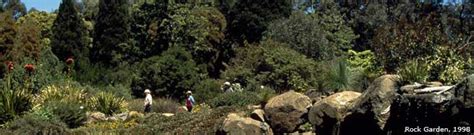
column 248, row 19
column 69, row 37
column 112, row 32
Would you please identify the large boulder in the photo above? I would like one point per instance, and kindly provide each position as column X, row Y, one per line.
column 445, row 109
column 327, row 114
column 371, row 111
column 234, row 124
column 287, row 111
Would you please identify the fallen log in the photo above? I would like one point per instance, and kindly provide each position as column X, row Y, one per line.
column 432, row 89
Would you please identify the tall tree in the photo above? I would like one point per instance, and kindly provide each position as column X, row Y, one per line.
column 112, row 27
column 249, row 18
column 16, row 6
column 8, row 30
column 69, row 37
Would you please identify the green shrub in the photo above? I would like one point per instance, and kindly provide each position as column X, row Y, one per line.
column 274, row 66
column 447, row 65
column 414, row 71
column 168, row 75
column 206, row 90
column 107, row 103
column 337, row 75
column 183, row 123
column 68, row 112
column 162, row 105
column 265, row 94
column 235, row 99
column 32, row 124
column 64, row 92
column 363, row 69
column 13, row 103
column 42, row 112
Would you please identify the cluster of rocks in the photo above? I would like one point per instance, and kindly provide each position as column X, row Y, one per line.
column 384, row 108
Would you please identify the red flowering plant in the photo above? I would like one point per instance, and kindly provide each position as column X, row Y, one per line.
column 9, row 66
column 30, row 68
column 70, row 61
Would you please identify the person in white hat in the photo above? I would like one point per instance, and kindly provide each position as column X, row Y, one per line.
column 190, row 101
column 227, row 87
column 148, row 101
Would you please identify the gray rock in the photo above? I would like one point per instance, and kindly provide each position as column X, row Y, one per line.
column 371, row 111
column 287, row 111
column 235, row 124
column 327, row 114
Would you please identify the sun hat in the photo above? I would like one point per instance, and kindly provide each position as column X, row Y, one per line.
column 189, row 92
column 147, row 91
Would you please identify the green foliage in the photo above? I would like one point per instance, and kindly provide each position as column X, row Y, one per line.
column 9, row 31
column 107, row 103
column 447, row 65
column 337, row 75
column 235, row 99
column 70, row 113
column 63, row 92
column 265, row 94
column 206, row 90
column 414, row 71
column 169, row 75
column 33, row 124
column 273, row 65
column 199, row 29
column 13, row 102
column 321, row 35
column 43, row 20
column 363, row 69
column 250, row 18
column 111, row 33
column 69, row 37
column 160, row 105
column 407, row 40
column 182, row 123
column 365, row 22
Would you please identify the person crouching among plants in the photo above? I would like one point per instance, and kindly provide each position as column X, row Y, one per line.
column 148, row 101
column 189, row 101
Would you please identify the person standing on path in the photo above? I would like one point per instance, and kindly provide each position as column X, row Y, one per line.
column 189, row 101
column 148, row 101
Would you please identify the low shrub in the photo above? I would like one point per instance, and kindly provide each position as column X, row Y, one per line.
column 33, row 124
column 265, row 94
column 107, row 103
column 162, row 105
column 113, row 125
column 235, row 99
column 65, row 92
column 206, row 90
column 414, row 71
column 68, row 112
column 205, row 122
column 13, row 103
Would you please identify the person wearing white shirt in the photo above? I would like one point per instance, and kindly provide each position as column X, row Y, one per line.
column 148, row 101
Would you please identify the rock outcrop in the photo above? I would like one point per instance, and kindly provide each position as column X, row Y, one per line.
column 372, row 109
column 445, row 109
column 327, row 114
column 234, row 124
column 287, row 111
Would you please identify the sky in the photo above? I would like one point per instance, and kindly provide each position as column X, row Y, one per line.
column 51, row 5
column 42, row 5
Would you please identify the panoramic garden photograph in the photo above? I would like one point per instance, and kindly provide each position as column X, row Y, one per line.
column 237, row 67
